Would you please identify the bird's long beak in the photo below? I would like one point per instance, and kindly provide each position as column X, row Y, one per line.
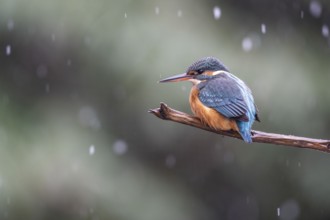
column 176, row 78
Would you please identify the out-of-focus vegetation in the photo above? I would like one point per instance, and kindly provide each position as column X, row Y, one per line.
column 77, row 79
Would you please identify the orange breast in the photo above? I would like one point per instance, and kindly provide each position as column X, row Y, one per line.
column 210, row 116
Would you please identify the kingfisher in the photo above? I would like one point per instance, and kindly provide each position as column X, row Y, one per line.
column 219, row 99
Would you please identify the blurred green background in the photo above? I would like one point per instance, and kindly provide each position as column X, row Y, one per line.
column 78, row 77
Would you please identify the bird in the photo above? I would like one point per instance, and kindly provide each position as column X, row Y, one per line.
column 218, row 98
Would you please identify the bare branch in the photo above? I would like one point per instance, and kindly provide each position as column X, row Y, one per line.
column 167, row 113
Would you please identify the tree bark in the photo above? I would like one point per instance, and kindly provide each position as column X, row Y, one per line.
column 166, row 113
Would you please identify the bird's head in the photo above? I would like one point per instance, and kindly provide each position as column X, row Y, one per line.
column 203, row 69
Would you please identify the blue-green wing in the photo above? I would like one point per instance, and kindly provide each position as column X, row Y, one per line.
column 224, row 95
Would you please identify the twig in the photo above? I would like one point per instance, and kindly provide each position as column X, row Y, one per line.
column 167, row 113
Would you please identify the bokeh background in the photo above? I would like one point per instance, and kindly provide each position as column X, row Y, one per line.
column 78, row 77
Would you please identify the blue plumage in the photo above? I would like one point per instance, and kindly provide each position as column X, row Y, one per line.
column 232, row 98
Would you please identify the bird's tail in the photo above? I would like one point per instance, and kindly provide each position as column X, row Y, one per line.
column 245, row 131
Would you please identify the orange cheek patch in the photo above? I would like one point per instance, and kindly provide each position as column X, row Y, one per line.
column 209, row 73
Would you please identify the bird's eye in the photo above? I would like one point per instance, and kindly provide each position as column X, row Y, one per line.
column 199, row 71
column 195, row 72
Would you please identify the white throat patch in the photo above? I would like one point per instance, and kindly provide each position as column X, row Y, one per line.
column 195, row 81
